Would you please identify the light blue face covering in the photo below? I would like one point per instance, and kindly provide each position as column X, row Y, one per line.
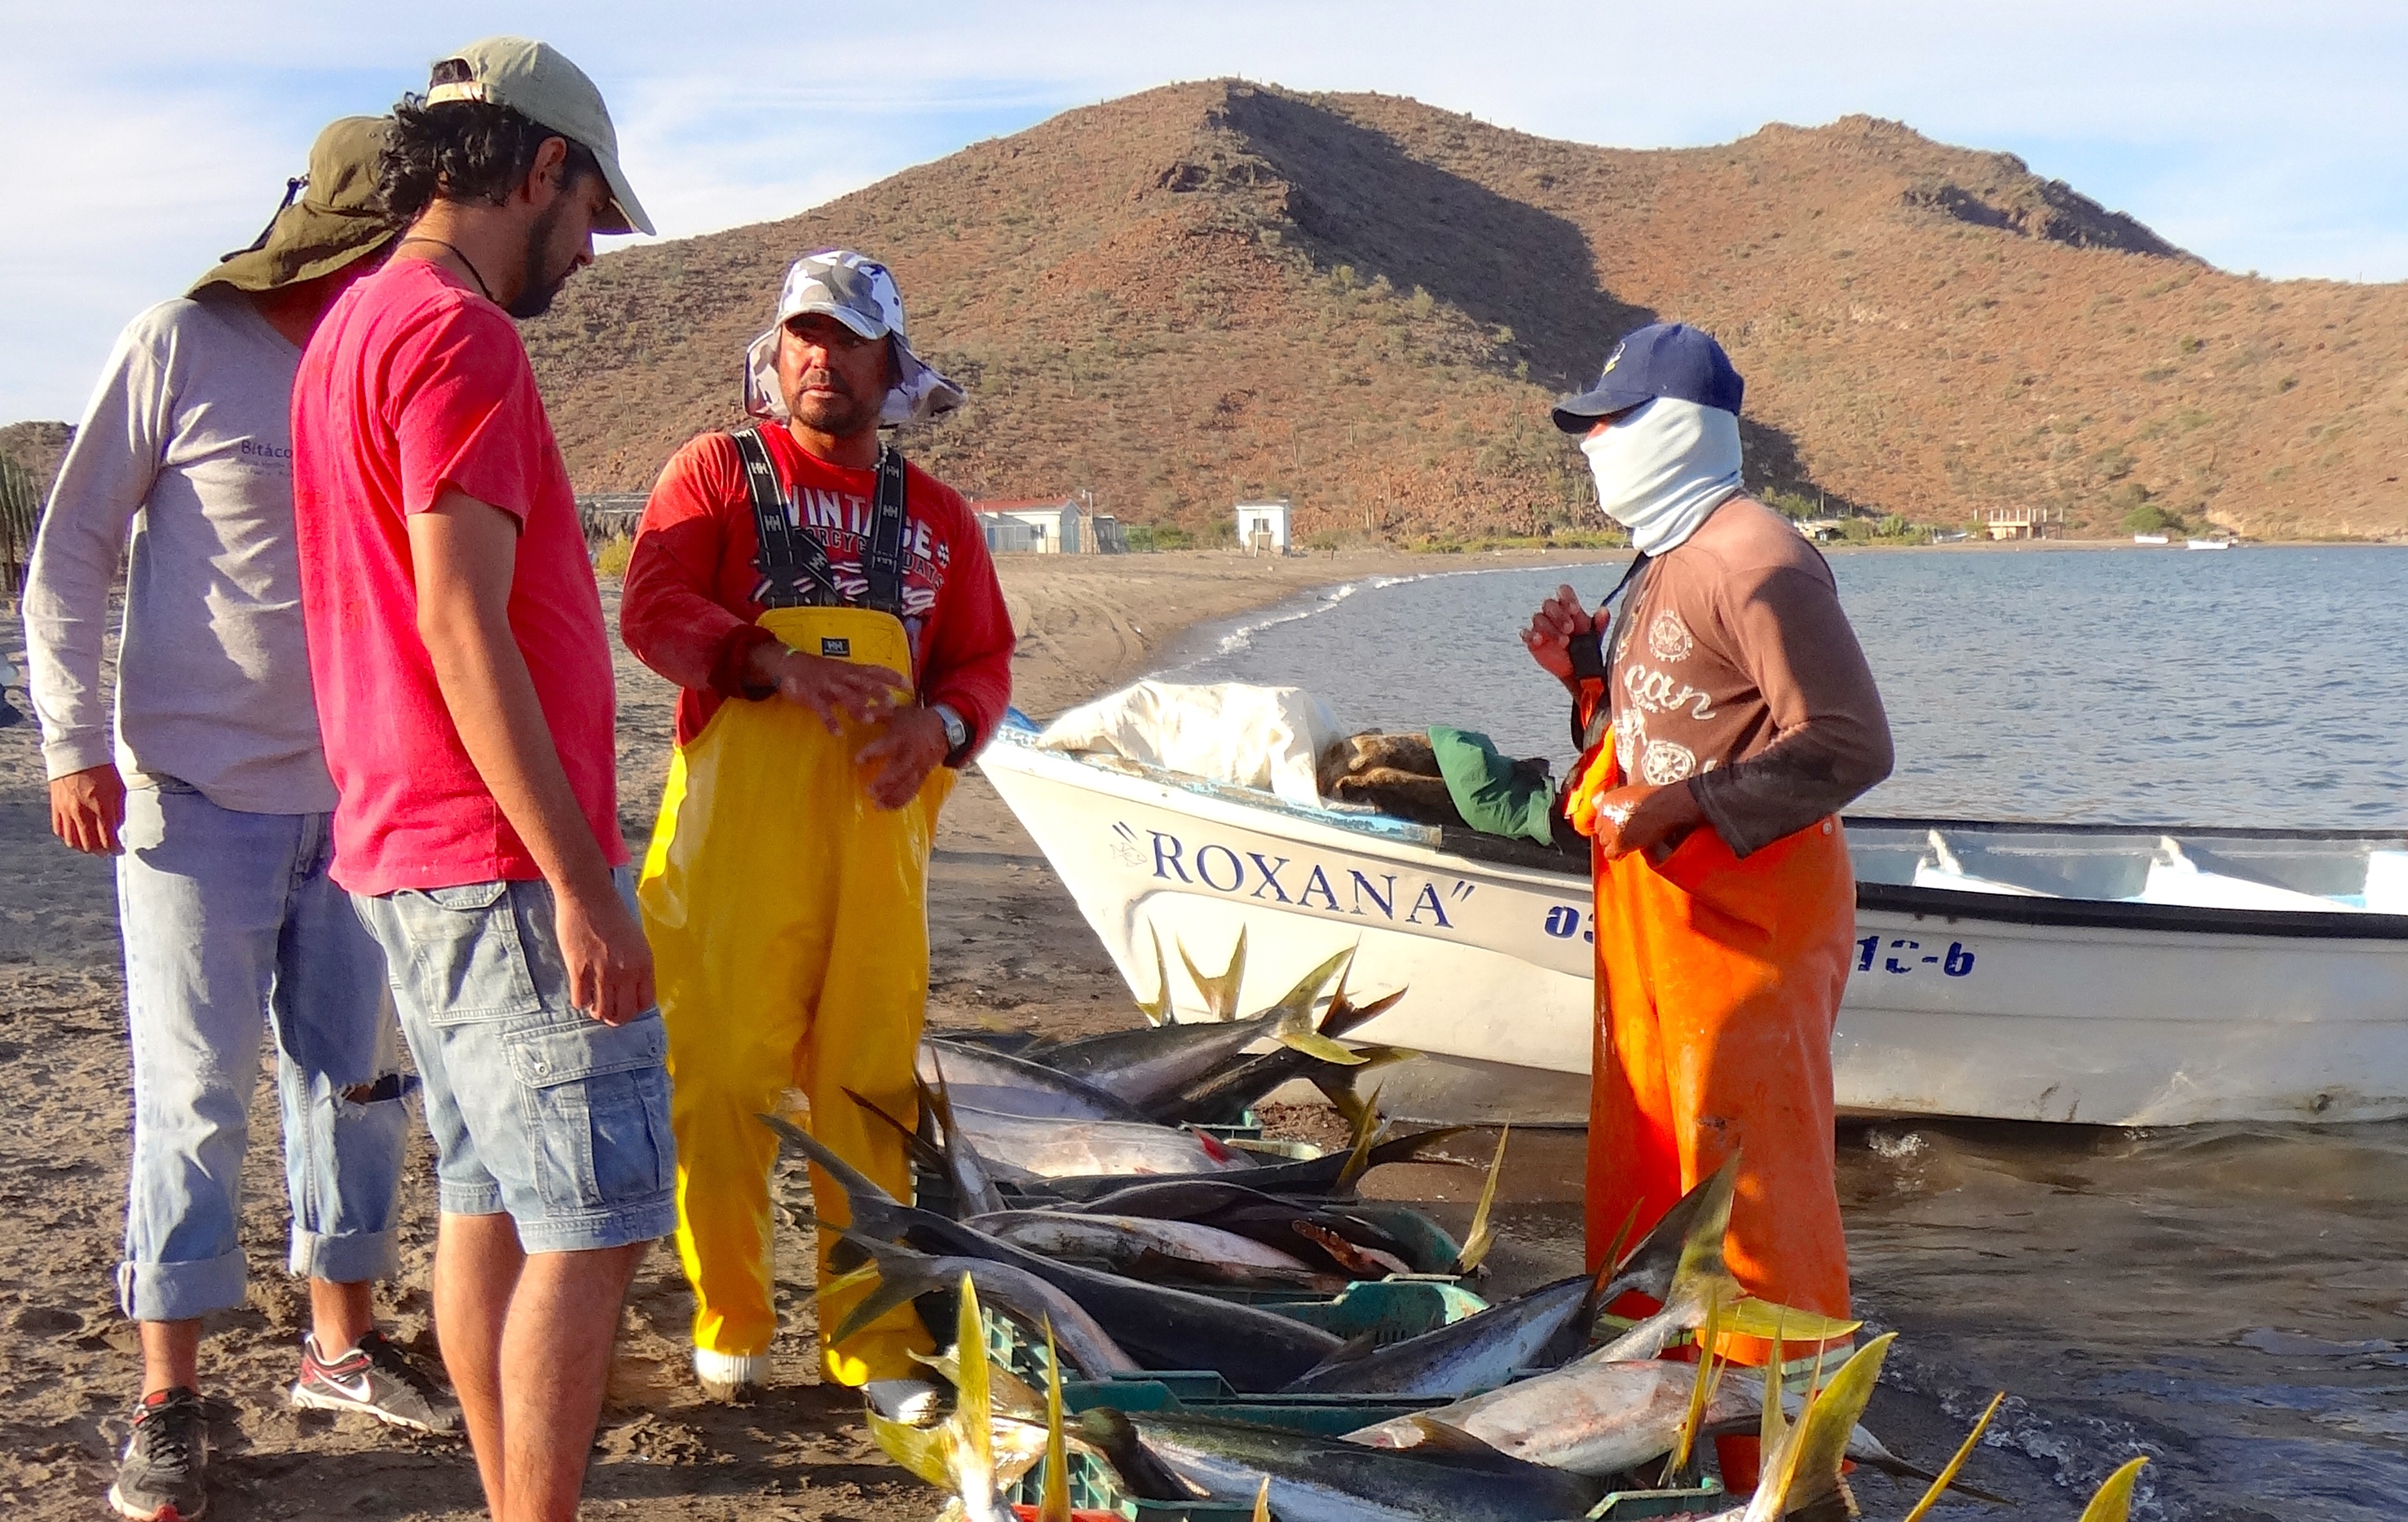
column 1663, row 467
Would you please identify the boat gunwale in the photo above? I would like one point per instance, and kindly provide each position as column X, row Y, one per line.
column 1493, row 851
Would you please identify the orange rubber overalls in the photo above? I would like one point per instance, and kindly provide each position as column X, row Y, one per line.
column 1718, row 985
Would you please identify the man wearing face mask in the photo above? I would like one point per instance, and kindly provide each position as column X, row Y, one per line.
column 835, row 621
column 1727, row 715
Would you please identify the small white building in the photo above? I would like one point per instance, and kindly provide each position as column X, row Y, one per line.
column 1262, row 527
column 1007, row 536
column 1051, row 526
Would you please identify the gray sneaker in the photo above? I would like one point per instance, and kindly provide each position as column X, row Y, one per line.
column 375, row 1379
column 159, row 1479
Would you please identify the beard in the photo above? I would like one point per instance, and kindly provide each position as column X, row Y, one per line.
column 840, row 416
column 539, row 284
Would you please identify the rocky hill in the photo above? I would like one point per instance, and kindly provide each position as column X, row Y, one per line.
column 1223, row 290
column 1218, row 290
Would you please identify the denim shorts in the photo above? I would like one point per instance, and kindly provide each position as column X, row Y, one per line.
column 535, row 1108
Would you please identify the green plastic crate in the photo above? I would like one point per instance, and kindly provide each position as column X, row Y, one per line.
column 1203, row 1393
column 1094, row 1487
column 1389, row 1309
column 1392, row 1309
column 1705, row 1498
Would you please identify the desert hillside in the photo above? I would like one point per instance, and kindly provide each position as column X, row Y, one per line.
column 1362, row 303
column 1221, row 290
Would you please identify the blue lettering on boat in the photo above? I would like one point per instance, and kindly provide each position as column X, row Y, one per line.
column 1427, row 899
column 1318, row 883
column 1166, row 862
column 1271, row 876
column 1363, row 885
column 1237, row 869
column 1255, row 875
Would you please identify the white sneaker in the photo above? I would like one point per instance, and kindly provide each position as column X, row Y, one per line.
column 735, row 1378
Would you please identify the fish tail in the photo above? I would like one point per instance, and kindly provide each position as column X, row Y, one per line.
column 1804, row 1475
column 2113, row 1501
column 1947, row 1475
column 1477, row 1240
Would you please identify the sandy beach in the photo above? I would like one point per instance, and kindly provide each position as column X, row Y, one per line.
column 1009, row 947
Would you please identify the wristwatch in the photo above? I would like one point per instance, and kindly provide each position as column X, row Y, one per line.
column 957, row 733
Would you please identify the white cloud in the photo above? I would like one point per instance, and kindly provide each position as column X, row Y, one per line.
column 157, row 134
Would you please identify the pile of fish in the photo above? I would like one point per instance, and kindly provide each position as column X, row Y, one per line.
column 1084, row 1202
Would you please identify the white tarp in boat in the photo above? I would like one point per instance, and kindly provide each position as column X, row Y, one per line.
column 2386, row 882
column 2175, row 879
column 1226, row 732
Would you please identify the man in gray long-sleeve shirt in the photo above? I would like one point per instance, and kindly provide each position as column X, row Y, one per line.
column 223, row 841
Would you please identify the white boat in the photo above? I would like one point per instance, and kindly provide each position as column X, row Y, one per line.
column 2068, row 973
column 2151, row 539
column 2210, row 544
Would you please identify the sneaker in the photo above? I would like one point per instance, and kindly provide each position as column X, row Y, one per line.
column 159, row 1479
column 735, row 1378
column 375, row 1379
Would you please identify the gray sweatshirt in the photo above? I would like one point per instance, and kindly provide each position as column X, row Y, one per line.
column 188, row 443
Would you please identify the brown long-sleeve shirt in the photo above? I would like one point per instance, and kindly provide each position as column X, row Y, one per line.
column 1734, row 670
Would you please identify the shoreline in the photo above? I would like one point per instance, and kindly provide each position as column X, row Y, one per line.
column 1008, row 949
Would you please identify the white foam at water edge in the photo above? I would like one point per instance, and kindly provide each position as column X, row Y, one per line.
column 1244, row 635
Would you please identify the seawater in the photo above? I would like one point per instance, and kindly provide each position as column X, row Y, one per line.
column 2264, row 686
column 2232, row 1300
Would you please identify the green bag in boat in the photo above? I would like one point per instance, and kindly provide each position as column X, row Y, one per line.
column 1494, row 795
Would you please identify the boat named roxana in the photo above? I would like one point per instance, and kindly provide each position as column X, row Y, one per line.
column 2050, row 972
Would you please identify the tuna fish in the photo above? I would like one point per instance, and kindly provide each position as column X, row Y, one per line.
column 1320, row 1176
column 903, row 1273
column 961, row 1448
column 1162, row 1327
column 1065, row 1147
column 1319, row 1479
column 1145, row 1067
column 1541, row 1328
column 1131, row 1245
column 981, row 1078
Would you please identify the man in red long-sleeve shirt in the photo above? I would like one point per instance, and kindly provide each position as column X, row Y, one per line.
column 835, row 621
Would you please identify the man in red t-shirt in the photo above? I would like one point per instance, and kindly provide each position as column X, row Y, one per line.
column 462, row 674
column 834, row 620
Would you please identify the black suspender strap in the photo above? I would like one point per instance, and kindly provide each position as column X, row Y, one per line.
column 1592, row 655
column 788, row 557
column 794, row 566
column 884, row 563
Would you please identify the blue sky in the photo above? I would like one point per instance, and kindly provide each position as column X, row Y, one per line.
column 152, row 135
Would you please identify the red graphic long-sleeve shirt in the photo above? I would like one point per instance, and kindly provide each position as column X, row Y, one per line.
column 687, row 611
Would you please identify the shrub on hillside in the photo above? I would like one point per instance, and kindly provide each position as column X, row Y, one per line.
column 2149, row 518
column 1145, row 537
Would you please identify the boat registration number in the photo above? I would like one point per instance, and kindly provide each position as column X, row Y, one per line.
column 1901, row 954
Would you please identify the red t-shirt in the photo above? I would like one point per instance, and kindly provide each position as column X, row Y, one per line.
column 687, row 611
column 413, row 385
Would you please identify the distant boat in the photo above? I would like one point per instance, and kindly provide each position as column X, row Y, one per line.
column 2210, row 544
column 2107, row 975
column 2151, row 539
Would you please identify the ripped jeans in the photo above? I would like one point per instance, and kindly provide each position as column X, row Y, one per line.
column 233, row 928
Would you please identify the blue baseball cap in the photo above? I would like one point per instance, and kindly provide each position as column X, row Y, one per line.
column 1662, row 359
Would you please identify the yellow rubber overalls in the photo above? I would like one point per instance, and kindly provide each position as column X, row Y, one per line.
column 788, row 920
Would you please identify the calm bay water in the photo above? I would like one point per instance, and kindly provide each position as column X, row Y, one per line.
column 2250, row 687
column 2232, row 1300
